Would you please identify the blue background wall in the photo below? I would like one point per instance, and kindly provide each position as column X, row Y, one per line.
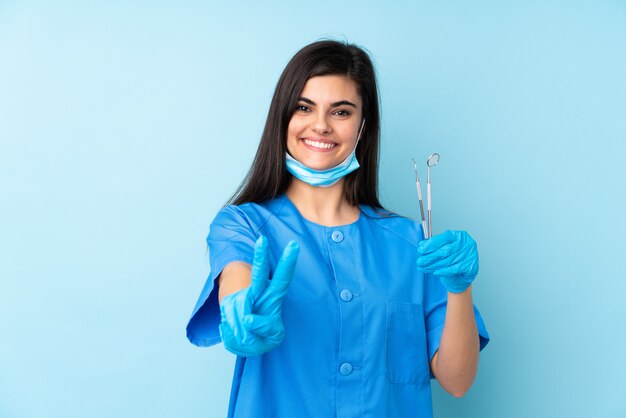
column 124, row 127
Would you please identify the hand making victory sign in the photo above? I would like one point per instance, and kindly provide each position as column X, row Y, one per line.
column 251, row 322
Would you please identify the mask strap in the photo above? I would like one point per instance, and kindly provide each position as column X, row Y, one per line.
column 358, row 137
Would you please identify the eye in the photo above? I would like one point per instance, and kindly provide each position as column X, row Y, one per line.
column 343, row 113
column 302, row 108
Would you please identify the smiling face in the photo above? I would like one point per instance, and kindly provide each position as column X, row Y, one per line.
column 324, row 127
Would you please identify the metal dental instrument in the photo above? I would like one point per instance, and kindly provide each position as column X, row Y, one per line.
column 430, row 162
column 419, row 196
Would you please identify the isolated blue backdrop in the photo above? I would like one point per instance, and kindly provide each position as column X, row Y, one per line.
column 125, row 126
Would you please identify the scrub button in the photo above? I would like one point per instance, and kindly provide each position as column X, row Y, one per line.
column 337, row 236
column 345, row 295
column 345, row 369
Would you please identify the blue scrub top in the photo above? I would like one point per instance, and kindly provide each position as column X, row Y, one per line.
column 361, row 322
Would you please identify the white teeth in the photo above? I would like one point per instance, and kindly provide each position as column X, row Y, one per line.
column 318, row 144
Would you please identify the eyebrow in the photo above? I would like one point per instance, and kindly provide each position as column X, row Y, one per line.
column 339, row 103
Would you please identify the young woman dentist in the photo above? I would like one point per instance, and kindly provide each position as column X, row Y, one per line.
column 334, row 306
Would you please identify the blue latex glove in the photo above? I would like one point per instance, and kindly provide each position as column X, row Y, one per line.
column 451, row 256
column 251, row 318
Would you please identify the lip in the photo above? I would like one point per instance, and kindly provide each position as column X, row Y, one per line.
column 318, row 140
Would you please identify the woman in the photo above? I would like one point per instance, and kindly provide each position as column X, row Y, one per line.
column 325, row 296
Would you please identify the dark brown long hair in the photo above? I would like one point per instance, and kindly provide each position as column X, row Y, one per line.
column 268, row 177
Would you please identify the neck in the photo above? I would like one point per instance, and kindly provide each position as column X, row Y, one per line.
column 322, row 205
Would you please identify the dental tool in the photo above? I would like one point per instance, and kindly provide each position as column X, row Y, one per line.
column 419, row 196
column 432, row 161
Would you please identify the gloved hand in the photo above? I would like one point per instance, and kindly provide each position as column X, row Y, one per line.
column 451, row 256
column 251, row 318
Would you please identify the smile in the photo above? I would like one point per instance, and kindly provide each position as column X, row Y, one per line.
column 318, row 145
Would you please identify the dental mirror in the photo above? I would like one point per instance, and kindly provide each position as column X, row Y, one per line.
column 432, row 160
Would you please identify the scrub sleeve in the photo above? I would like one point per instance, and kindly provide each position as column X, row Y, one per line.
column 230, row 239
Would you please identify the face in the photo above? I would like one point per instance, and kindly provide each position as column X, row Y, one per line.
column 323, row 129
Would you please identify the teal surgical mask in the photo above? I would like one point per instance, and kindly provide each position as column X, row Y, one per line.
column 328, row 177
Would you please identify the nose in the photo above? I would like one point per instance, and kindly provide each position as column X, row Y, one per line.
column 321, row 124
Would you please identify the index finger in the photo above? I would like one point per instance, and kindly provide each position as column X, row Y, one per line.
column 260, row 268
column 285, row 269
